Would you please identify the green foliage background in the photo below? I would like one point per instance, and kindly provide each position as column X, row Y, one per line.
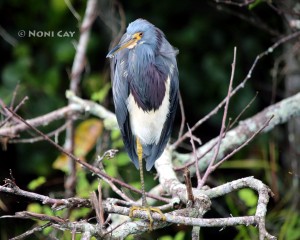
column 205, row 37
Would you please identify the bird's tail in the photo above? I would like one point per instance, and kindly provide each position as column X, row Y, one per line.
column 151, row 153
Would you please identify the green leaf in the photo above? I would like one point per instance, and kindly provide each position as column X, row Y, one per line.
column 79, row 213
column 122, row 159
column 35, row 207
column 59, row 5
column 48, row 211
column 116, row 138
column 136, row 184
column 64, row 51
column 47, row 231
column 255, row 4
column 245, row 164
column 101, row 94
column 83, row 186
column 22, row 50
column 290, row 229
column 111, row 169
column 34, row 184
column 115, row 134
column 165, row 238
column 179, row 236
column 248, row 196
column 15, row 72
column 130, row 237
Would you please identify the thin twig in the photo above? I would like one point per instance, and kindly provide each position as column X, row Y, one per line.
column 79, row 59
column 11, row 188
column 56, row 132
column 7, row 37
column 182, row 112
column 182, row 216
column 12, row 103
column 243, row 145
column 31, row 231
column 283, row 111
column 181, row 168
column 39, row 216
column 38, row 121
column 69, row 146
column 116, row 23
column 100, row 205
column 116, row 227
column 188, row 183
column 16, row 109
column 239, row 4
column 77, row 68
column 72, row 10
column 238, row 87
column 223, row 127
column 82, row 163
column 241, row 113
column 195, row 157
column 118, row 191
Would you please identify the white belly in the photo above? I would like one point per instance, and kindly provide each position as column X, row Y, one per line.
column 147, row 126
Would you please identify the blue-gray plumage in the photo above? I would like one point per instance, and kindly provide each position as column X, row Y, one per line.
column 145, row 89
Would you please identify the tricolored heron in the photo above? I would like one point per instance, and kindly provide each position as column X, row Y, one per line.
column 145, row 93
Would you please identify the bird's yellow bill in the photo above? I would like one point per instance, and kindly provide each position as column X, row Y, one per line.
column 126, row 43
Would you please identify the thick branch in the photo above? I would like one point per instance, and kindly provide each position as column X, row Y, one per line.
column 78, row 66
column 43, row 120
column 187, row 216
column 78, row 106
column 79, row 60
column 282, row 111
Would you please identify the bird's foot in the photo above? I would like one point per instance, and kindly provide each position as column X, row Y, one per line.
column 148, row 211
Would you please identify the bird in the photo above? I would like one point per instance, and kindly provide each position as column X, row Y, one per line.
column 145, row 86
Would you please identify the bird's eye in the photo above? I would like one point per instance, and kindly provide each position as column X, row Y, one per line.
column 138, row 35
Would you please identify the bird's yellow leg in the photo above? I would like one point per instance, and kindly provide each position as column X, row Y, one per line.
column 145, row 207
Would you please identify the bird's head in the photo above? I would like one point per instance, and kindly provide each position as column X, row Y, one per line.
column 138, row 32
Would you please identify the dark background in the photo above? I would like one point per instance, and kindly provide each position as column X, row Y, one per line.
column 205, row 35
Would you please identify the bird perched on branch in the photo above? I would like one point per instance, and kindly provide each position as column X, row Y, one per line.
column 145, row 92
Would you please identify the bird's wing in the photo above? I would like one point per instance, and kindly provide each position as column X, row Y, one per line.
column 120, row 95
column 157, row 149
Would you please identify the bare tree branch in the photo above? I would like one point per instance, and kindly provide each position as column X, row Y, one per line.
column 43, row 120
column 194, row 202
column 223, row 125
column 282, row 111
column 77, row 68
column 187, row 216
column 240, row 86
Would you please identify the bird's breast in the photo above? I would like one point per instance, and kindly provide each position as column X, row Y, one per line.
column 148, row 125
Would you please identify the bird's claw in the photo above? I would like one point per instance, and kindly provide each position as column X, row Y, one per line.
column 148, row 211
